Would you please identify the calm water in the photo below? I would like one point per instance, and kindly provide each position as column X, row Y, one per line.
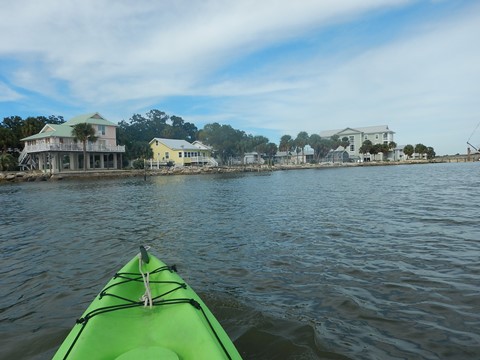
column 354, row 263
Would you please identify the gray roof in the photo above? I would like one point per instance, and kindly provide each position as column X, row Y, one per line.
column 365, row 130
column 176, row 144
column 201, row 145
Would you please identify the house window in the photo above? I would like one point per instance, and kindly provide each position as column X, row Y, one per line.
column 101, row 129
column 351, row 139
column 156, row 142
column 385, row 136
column 180, row 154
column 365, row 137
column 376, row 137
column 167, row 155
column 352, row 147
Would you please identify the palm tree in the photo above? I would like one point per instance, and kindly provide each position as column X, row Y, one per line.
column 315, row 142
column 391, row 146
column 286, row 144
column 408, row 150
column 365, row 148
column 84, row 132
column 301, row 141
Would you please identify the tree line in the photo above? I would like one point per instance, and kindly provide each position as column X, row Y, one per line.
column 14, row 128
column 227, row 142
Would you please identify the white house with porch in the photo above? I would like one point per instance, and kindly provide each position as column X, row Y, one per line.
column 54, row 148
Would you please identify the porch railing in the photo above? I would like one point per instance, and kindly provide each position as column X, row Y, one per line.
column 73, row 148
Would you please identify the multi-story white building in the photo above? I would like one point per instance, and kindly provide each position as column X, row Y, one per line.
column 380, row 134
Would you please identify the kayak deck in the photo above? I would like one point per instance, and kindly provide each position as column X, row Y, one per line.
column 118, row 325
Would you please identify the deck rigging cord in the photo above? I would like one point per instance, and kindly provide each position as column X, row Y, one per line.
column 146, row 299
column 147, row 296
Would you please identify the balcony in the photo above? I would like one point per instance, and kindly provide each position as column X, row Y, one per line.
column 78, row 147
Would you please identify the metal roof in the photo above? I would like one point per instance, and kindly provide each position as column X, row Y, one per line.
column 52, row 130
column 92, row 118
column 65, row 129
column 365, row 130
column 176, row 144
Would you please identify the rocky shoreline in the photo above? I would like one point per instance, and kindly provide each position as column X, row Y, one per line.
column 22, row 176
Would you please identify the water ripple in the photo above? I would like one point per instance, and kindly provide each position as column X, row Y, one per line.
column 357, row 263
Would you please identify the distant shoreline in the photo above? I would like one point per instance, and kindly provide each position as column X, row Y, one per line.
column 31, row 176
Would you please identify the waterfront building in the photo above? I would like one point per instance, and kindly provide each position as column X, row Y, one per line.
column 180, row 153
column 379, row 134
column 253, row 158
column 339, row 155
column 55, row 150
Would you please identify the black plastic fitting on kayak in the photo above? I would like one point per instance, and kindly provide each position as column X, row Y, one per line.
column 144, row 254
column 195, row 304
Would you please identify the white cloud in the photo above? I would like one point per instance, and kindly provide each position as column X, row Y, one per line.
column 102, row 48
column 424, row 85
column 104, row 53
column 8, row 94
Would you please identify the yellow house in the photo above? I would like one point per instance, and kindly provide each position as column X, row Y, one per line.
column 180, row 152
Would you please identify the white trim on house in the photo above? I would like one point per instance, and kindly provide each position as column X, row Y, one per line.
column 376, row 134
column 54, row 149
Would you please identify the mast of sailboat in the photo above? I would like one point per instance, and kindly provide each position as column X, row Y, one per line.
column 473, row 132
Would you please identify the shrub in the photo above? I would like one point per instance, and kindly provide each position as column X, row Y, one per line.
column 8, row 162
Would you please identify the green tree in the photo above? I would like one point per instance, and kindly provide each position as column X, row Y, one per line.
column 140, row 150
column 392, row 146
column 84, row 132
column 345, row 142
column 366, row 147
column 384, row 149
column 300, row 142
column 408, row 150
column 315, row 142
column 286, row 145
column 430, row 153
column 375, row 149
column 7, row 162
column 420, row 149
column 226, row 141
column 335, row 141
column 33, row 125
column 270, row 150
column 7, row 139
column 56, row 120
column 14, row 125
column 139, row 130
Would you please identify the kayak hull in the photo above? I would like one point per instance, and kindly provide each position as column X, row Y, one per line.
column 117, row 325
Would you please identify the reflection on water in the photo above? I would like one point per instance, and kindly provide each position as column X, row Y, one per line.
column 359, row 263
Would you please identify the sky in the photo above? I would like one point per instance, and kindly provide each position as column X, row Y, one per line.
column 267, row 67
